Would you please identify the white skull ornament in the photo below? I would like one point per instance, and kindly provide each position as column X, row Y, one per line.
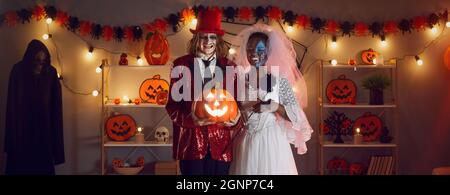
column 162, row 134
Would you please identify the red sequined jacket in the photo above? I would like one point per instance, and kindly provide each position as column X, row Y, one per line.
column 191, row 142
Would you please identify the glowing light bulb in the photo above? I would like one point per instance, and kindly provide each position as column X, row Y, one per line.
column 95, row 93
column 334, row 62
column 194, row 22
column 447, row 24
column 46, row 36
column 58, row 75
column 290, row 29
column 434, row 30
column 125, row 98
column 358, row 131
column 374, row 61
column 90, row 53
column 49, row 20
column 139, row 129
column 231, row 51
column 419, row 61
column 140, row 61
column 98, row 70
column 334, row 42
column 383, row 43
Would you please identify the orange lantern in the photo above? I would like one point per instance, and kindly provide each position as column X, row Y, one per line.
column 369, row 57
column 156, row 49
column 218, row 106
column 117, row 101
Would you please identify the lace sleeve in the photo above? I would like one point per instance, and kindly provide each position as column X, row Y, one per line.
column 298, row 130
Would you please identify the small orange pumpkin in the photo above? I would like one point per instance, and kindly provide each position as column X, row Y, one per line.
column 341, row 91
column 118, row 162
column 351, row 62
column 150, row 88
column 137, row 101
column 370, row 126
column 162, row 97
column 117, row 101
column 120, row 127
column 356, row 169
column 140, row 161
column 156, row 49
column 218, row 106
column 369, row 57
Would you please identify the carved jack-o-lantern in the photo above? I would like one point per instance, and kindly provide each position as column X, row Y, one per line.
column 341, row 91
column 118, row 162
column 156, row 49
column 447, row 58
column 120, row 127
column 355, row 169
column 369, row 57
column 218, row 106
column 162, row 135
column 337, row 165
column 370, row 126
column 151, row 87
column 140, row 161
column 162, row 98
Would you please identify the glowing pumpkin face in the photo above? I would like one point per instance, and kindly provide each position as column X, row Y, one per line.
column 369, row 57
column 218, row 106
column 120, row 127
column 151, row 87
column 370, row 126
column 341, row 91
column 156, row 49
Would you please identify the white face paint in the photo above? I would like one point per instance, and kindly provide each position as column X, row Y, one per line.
column 208, row 43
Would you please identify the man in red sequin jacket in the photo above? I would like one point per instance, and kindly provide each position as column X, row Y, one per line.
column 203, row 148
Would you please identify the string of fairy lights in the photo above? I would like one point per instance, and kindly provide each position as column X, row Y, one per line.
column 288, row 29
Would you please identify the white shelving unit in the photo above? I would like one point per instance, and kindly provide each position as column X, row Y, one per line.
column 324, row 107
column 138, row 74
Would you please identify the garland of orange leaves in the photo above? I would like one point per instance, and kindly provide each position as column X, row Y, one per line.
column 231, row 15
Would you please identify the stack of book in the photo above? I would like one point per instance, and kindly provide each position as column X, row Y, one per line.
column 381, row 165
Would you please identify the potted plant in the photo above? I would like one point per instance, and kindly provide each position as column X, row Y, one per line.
column 376, row 84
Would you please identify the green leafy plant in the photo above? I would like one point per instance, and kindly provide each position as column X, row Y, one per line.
column 378, row 81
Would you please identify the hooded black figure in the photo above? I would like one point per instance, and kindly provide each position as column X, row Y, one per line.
column 34, row 126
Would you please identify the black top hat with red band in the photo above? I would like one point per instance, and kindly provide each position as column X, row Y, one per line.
column 209, row 22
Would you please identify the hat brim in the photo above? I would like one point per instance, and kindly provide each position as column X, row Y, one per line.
column 218, row 32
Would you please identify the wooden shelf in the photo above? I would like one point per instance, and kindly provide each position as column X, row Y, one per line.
column 134, row 144
column 330, row 144
column 141, row 105
column 361, row 105
column 137, row 66
column 359, row 66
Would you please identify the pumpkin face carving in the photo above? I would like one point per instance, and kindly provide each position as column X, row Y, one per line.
column 341, row 91
column 162, row 98
column 370, row 126
column 337, row 165
column 218, row 106
column 369, row 57
column 120, row 127
column 156, row 49
column 151, row 87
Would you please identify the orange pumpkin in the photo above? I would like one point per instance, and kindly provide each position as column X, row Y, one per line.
column 120, row 127
column 352, row 62
column 140, row 161
column 151, row 87
column 337, row 165
column 137, row 101
column 156, row 49
column 118, row 162
column 117, row 101
column 447, row 58
column 369, row 56
column 341, row 91
column 370, row 126
column 218, row 106
column 162, row 98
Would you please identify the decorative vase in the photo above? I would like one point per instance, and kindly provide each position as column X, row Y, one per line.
column 338, row 139
column 376, row 97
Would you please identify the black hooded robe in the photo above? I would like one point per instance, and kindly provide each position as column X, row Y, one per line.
column 34, row 125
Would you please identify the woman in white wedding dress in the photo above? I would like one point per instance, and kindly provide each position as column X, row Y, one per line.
column 275, row 119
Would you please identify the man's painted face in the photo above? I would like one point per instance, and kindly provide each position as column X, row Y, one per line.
column 257, row 51
column 208, row 43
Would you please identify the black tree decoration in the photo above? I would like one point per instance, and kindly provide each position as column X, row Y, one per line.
column 338, row 125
